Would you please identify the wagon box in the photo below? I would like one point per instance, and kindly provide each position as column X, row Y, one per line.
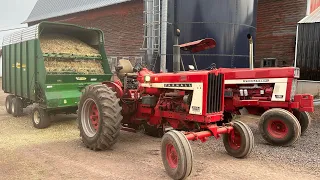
column 48, row 64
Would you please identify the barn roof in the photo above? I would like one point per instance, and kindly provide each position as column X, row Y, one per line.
column 45, row 9
column 312, row 18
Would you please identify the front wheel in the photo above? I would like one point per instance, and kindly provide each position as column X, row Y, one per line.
column 99, row 117
column 240, row 141
column 177, row 156
column 279, row 127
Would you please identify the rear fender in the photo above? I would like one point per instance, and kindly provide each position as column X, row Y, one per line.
column 115, row 86
column 303, row 102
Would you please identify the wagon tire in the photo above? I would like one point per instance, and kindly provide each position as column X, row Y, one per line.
column 99, row 117
column 240, row 141
column 177, row 155
column 17, row 107
column 40, row 118
column 304, row 119
column 279, row 127
column 9, row 103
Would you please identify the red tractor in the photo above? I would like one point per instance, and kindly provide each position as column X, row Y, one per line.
column 269, row 93
column 190, row 102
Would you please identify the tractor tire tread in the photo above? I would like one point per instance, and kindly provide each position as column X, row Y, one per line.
column 110, row 114
column 289, row 116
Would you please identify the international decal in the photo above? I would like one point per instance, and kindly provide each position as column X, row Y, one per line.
column 256, row 80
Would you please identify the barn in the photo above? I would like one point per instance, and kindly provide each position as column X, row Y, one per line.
column 122, row 21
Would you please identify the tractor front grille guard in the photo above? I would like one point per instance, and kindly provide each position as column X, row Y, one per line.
column 215, row 85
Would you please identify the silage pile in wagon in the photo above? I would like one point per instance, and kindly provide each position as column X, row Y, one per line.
column 72, row 66
column 63, row 44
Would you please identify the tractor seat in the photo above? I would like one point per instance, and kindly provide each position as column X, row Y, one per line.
column 125, row 68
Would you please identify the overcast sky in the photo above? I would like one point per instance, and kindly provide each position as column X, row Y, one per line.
column 13, row 13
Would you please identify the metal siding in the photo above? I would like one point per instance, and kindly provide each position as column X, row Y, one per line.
column 7, row 68
column 228, row 22
column 31, row 70
column 12, row 76
column 308, row 51
column 18, row 69
column 24, row 69
column 45, row 9
column 21, row 36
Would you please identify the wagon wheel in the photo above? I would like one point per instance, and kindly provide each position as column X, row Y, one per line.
column 9, row 103
column 17, row 107
column 177, row 156
column 40, row 117
column 240, row 141
column 99, row 117
column 303, row 118
column 279, row 127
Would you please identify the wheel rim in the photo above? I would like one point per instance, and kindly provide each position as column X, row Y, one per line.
column 90, row 117
column 172, row 156
column 36, row 117
column 12, row 108
column 277, row 128
column 234, row 139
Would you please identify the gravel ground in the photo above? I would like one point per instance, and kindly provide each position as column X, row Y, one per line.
column 58, row 153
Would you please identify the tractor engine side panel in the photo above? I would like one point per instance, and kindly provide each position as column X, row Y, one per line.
column 275, row 89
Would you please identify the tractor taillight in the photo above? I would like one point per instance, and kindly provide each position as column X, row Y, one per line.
column 293, row 88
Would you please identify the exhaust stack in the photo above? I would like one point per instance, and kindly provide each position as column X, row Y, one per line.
column 176, row 53
column 250, row 51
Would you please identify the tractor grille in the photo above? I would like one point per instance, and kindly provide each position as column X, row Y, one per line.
column 215, row 83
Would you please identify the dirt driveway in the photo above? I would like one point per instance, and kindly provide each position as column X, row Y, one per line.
column 58, row 153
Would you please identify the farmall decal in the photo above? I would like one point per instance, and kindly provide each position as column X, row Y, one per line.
column 256, row 80
column 177, row 85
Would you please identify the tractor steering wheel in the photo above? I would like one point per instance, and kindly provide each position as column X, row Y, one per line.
column 211, row 67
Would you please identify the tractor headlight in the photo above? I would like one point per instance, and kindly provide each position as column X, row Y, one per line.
column 293, row 88
column 297, row 73
column 147, row 78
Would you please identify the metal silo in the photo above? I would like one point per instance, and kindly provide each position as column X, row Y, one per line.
column 227, row 21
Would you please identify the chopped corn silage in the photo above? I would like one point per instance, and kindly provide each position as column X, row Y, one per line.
column 73, row 66
column 63, row 44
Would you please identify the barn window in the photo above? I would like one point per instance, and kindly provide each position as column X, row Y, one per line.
column 269, row 62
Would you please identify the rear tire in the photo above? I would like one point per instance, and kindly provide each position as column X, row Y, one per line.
column 304, row 120
column 9, row 103
column 239, row 142
column 279, row 127
column 17, row 107
column 99, row 117
column 177, row 156
column 153, row 131
column 40, row 118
